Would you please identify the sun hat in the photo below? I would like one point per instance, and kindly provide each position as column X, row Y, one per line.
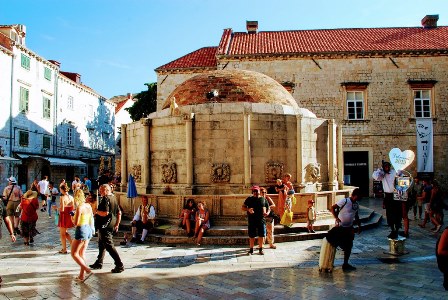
column 30, row 194
column 12, row 179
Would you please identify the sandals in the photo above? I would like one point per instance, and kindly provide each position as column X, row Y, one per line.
column 62, row 252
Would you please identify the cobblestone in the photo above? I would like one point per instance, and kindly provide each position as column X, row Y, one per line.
column 225, row 272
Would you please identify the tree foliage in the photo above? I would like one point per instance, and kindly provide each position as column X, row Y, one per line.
column 145, row 104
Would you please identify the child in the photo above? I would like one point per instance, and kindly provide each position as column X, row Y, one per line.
column 311, row 216
column 290, row 200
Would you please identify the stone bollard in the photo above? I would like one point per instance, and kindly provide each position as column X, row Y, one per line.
column 397, row 246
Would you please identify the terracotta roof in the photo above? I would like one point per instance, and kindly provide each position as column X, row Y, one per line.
column 334, row 40
column 202, row 58
column 5, row 41
column 120, row 105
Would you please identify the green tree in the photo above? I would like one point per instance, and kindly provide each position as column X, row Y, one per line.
column 145, row 104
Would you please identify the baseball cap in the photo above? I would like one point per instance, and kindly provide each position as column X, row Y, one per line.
column 255, row 187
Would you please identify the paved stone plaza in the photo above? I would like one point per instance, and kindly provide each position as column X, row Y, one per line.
column 190, row 272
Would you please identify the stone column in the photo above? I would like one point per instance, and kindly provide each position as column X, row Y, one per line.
column 247, row 160
column 340, row 154
column 124, row 159
column 146, row 176
column 331, row 155
column 189, row 148
column 299, row 158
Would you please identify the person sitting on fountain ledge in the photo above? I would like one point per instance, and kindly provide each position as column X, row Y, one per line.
column 144, row 219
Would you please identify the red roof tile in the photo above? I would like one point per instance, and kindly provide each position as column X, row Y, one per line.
column 335, row 40
column 202, row 58
column 120, row 105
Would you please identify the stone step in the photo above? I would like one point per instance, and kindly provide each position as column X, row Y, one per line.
column 238, row 235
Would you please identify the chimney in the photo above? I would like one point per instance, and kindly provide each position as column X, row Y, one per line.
column 430, row 21
column 55, row 62
column 129, row 96
column 252, row 26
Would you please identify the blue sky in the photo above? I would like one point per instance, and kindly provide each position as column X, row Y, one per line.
column 116, row 44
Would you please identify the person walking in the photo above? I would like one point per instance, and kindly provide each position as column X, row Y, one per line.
column 66, row 206
column 13, row 194
column 257, row 209
column 83, row 233
column 43, row 186
column 28, row 219
column 108, row 217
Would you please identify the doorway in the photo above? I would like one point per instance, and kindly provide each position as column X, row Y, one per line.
column 356, row 170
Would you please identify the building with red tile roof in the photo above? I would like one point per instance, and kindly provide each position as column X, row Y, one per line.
column 378, row 84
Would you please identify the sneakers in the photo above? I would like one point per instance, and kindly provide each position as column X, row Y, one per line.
column 347, row 267
column 96, row 266
column 117, row 269
column 251, row 251
column 438, row 228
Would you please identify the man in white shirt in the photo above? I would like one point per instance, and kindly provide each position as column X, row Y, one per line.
column 348, row 211
column 393, row 207
column 43, row 186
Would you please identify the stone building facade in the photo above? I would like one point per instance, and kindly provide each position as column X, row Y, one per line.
column 374, row 82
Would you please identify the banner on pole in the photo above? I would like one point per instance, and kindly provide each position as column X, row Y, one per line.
column 425, row 162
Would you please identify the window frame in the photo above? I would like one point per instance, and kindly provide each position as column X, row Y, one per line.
column 69, row 136
column 70, row 102
column 24, row 138
column 355, row 87
column 422, row 85
column 47, row 73
column 46, row 109
column 25, row 61
column 44, row 138
column 24, row 100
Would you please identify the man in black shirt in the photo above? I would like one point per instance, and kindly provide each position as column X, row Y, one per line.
column 108, row 217
column 257, row 209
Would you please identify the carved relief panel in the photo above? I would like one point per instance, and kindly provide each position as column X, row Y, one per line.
column 137, row 173
column 169, row 173
column 220, row 173
column 273, row 171
column 312, row 172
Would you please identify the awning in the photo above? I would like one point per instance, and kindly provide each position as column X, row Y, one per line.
column 8, row 159
column 65, row 162
column 56, row 161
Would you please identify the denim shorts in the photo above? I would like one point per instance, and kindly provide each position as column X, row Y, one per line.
column 259, row 228
column 83, row 232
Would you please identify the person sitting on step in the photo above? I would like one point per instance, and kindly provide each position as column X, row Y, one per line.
column 143, row 220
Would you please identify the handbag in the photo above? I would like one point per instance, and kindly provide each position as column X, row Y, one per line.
column 287, row 218
column 56, row 217
column 92, row 224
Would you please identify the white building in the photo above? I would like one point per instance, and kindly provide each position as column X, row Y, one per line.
column 53, row 123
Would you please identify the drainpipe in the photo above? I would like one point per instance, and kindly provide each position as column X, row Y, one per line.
column 55, row 114
column 10, row 107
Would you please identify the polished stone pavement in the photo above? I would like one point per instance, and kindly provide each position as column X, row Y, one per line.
column 225, row 272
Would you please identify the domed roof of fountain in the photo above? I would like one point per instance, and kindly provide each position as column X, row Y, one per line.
column 231, row 86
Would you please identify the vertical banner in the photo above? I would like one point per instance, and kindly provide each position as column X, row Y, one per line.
column 425, row 161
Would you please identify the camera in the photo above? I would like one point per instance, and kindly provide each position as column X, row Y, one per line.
column 72, row 213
